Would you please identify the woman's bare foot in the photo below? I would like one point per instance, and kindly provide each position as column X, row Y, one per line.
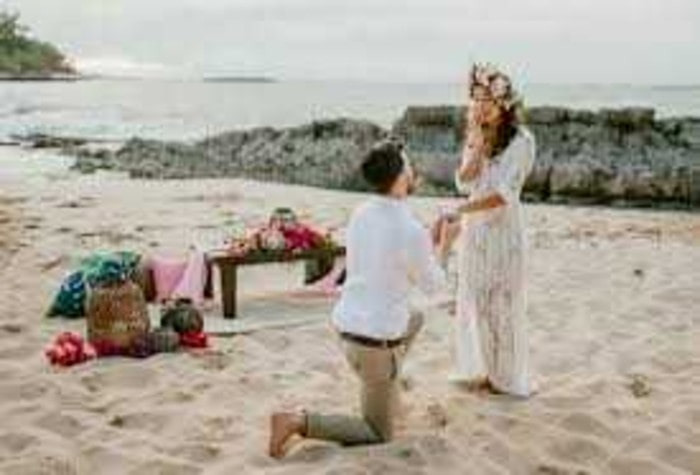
column 491, row 388
column 474, row 385
column 495, row 390
column 283, row 426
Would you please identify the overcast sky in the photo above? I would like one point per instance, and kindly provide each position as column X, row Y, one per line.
column 543, row 41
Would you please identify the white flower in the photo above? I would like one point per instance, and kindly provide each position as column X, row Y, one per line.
column 497, row 85
column 484, row 74
column 273, row 240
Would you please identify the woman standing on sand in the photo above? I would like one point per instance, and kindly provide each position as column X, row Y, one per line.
column 491, row 325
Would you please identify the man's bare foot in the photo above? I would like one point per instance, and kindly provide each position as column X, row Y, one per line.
column 282, row 427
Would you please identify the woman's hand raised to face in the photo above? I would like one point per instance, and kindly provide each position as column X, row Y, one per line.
column 473, row 157
column 482, row 120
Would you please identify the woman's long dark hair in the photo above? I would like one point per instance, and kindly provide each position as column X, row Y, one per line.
column 506, row 130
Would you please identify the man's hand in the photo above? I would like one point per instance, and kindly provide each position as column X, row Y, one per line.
column 450, row 232
column 436, row 230
column 446, row 218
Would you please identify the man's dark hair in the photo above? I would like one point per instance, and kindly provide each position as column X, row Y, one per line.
column 383, row 165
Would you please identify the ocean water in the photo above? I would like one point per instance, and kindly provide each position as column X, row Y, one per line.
column 30, row 166
column 182, row 109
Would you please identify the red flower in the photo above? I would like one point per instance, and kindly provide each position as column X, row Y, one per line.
column 194, row 340
column 68, row 349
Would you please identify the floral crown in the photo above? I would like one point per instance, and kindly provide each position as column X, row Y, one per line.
column 497, row 83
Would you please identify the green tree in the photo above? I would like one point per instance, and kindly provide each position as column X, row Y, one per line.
column 20, row 54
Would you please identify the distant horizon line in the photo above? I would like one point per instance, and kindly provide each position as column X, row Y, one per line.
column 271, row 79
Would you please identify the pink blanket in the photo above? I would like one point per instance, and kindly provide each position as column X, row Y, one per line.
column 176, row 278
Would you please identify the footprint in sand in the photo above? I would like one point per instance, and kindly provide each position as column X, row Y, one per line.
column 313, row 454
column 680, row 456
column 213, row 360
column 636, row 466
column 437, row 415
column 13, row 328
column 82, row 202
column 123, row 376
column 106, row 460
column 692, row 415
column 152, row 422
column 578, row 450
column 439, row 452
column 32, row 225
column 549, row 469
column 177, row 397
column 197, row 453
column 13, row 443
column 347, row 470
column 559, row 403
column 217, row 429
column 17, row 352
column 23, row 392
column 61, row 424
column 54, row 262
column 500, row 452
column 587, row 424
column 165, row 467
column 41, row 464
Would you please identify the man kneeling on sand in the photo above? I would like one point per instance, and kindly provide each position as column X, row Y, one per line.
column 388, row 252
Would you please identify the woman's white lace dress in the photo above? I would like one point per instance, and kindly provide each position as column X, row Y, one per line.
column 491, row 323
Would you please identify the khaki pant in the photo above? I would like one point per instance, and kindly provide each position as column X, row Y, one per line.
column 378, row 370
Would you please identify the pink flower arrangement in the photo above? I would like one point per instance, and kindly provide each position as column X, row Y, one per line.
column 281, row 235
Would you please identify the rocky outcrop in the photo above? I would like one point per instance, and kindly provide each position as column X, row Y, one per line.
column 40, row 140
column 324, row 154
column 624, row 156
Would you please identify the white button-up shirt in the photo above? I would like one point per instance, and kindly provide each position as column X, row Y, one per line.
column 388, row 253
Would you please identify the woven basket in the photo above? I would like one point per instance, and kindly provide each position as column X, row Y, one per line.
column 117, row 315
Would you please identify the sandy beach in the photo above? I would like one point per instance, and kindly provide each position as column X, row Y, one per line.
column 615, row 341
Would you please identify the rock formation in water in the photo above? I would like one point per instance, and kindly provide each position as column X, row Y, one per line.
column 324, row 154
column 623, row 156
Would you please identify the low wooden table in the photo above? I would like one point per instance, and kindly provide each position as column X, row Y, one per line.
column 319, row 262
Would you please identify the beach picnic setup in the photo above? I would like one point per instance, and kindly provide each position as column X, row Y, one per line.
column 112, row 290
column 282, row 240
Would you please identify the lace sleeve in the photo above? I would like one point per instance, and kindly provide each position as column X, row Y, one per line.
column 517, row 164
